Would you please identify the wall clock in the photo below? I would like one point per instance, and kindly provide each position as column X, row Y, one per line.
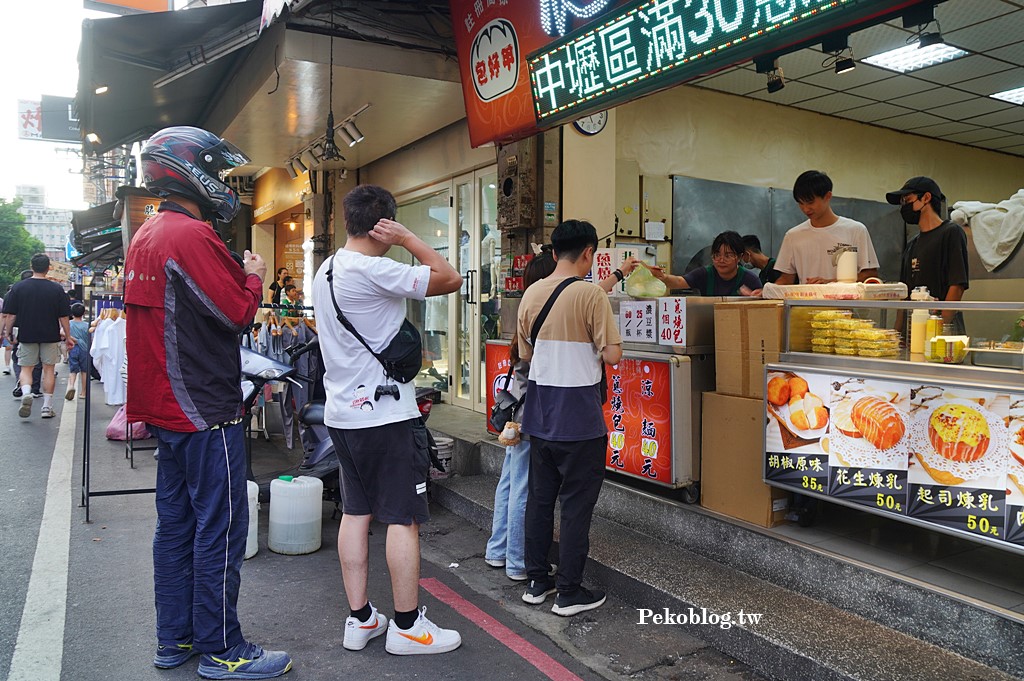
column 592, row 124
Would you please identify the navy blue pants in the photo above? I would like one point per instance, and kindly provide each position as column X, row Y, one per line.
column 202, row 522
column 571, row 472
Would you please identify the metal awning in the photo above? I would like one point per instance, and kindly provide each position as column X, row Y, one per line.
column 161, row 68
column 96, row 234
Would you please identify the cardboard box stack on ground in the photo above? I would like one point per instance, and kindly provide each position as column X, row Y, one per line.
column 731, row 469
column 748, row 335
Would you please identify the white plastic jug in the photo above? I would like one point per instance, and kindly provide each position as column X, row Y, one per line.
column 296, row 512
column 846, row 267
column 252, row 544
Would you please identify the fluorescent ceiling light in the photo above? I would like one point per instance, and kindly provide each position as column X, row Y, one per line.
column 1014, row 96
column 912, row 57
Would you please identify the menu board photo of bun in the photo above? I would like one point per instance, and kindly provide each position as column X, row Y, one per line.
column 869, row 424
column 797, row 409
column 957, row 439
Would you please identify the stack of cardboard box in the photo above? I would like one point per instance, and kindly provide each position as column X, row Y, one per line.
column 748, row 335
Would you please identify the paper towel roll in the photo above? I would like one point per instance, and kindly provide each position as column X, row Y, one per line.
column 846, row 267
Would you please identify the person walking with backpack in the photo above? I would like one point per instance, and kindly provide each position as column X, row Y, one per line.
column 506, row 546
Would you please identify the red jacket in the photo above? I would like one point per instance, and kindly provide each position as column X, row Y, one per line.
column 187, row 301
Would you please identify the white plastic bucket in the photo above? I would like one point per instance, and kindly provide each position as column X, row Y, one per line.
column 252, row 544
column 445, row 447
column 296, row 512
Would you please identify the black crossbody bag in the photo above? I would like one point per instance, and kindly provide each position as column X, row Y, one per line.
column 403, row 356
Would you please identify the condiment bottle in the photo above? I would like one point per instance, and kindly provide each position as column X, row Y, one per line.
column 918, row 322
column 918, row 331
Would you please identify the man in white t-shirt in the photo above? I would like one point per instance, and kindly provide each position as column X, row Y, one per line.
column 810, row 251
column 373, row 421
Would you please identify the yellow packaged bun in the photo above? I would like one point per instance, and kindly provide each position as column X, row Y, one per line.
column 815, row 340
column 958, row 432
column 885, row 352
column 825, row 315
column 823, row 349
column 875, row 334
column 845, row 351
column 807, row 412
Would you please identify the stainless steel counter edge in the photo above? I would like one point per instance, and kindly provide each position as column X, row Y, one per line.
column 967, row 375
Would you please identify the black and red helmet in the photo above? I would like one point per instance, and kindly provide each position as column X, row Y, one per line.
column 191, row 162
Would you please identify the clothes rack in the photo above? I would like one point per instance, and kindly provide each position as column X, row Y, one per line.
column 92, row 299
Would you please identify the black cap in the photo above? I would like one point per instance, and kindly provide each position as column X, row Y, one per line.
column 915, row 185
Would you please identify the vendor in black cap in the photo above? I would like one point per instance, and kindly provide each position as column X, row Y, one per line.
column 937, row 256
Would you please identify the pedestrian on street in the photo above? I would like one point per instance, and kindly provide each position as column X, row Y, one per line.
column 564, row 416
column 40, row 309
column 78, row 357
column 506, row 545
column 373, row 421
column 188, row 300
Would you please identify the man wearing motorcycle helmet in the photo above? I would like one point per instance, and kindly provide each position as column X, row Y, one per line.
column 187, row 301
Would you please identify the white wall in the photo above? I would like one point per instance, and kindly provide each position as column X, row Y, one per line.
column 715, row 136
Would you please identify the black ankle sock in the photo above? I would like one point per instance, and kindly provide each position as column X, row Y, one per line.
column 405, row 620
column 363, row 613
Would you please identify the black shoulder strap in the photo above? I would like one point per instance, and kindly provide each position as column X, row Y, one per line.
column 341, row 315
column 547, row 308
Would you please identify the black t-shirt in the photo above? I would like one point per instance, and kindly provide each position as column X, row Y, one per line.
column 37, row 305
column 936, row 259
column 275, row 291
column 769, row 274
column 698, row 280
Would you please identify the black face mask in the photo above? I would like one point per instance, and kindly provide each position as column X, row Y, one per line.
column 910, row 216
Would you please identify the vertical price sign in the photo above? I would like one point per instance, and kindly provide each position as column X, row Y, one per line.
column 650, row 45
column 639, row 419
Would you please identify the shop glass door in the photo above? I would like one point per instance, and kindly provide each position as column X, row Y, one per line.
column 478, row 255
column 428, row 215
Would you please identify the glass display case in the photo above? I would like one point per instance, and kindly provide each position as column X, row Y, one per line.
column 935, row 438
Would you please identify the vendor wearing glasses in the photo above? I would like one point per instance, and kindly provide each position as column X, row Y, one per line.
column 723, row 277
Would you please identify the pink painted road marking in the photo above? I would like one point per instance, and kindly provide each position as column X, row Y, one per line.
column 513, row 641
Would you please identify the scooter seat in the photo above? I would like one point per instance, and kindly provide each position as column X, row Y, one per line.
column 312, row 413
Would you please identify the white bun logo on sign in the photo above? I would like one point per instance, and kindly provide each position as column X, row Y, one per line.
column 495, row 57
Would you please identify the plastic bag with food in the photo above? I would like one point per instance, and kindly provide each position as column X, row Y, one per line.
column 642, row 284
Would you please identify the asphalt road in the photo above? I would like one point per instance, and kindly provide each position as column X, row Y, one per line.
column 102, row 629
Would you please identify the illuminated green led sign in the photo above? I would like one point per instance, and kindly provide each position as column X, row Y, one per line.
column 649, row 45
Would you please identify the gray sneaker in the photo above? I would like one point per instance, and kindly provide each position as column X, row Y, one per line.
column 47, row 413
column 26, row 406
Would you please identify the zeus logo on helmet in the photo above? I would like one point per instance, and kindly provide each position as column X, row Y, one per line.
column 211, row 185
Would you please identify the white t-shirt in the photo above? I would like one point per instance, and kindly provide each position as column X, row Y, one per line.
column 372, row 293
column 814, row 251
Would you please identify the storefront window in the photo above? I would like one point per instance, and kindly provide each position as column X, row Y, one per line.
column 427, row 217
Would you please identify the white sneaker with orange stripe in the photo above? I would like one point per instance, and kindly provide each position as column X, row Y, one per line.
column 424, row 638
column 358, row 634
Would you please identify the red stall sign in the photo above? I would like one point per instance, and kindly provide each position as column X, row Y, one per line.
column 639, row 418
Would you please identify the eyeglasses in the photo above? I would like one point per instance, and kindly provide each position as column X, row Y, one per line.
column 724, row 256
column 909, row 198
